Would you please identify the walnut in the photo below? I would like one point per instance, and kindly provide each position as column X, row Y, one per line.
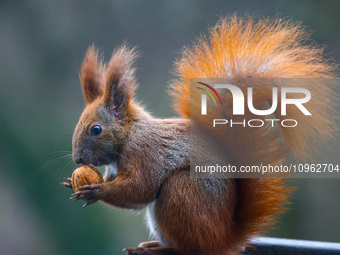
column 85, row 175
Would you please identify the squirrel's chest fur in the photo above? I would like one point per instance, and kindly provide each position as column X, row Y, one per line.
column 111, row 171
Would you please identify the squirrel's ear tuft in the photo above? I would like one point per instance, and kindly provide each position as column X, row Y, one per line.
column 91, row 75
column 120, row 83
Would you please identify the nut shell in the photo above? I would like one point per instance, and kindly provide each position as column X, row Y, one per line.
column 85, row 175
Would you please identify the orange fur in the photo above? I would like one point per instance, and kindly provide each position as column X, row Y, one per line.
column 91, row 75
column 267, row 48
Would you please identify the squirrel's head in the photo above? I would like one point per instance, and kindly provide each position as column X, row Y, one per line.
column 108, row 91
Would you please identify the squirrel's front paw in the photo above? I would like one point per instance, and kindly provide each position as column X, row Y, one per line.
column 91, row 193
column 151, row 251
column 138, row 250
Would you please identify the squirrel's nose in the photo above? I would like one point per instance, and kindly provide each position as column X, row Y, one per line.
column 77, row 159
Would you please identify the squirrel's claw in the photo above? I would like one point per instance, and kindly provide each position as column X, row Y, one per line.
column 67, row 184
column 128, row 250
column 90, row 201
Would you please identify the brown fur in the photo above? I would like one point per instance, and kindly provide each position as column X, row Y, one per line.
column 211, row 216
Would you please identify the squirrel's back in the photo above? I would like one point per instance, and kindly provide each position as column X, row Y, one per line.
column 248, row 49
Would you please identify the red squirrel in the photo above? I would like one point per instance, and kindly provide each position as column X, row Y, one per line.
column 147, row 159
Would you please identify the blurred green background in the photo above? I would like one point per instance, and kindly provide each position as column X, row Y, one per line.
column 42, row 46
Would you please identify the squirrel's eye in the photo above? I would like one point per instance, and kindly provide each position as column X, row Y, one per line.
column 96, row 130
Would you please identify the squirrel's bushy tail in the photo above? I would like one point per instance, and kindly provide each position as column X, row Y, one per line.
column 242, row 49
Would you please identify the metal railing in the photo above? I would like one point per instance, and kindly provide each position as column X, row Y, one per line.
column 281, row 246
